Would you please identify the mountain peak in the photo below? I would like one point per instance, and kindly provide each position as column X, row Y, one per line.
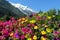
column 22, row 7
column 26, row 10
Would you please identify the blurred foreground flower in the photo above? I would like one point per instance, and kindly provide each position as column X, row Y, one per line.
column 43, row 32
column 43, row 38
column 35, row 37
column 33, row 21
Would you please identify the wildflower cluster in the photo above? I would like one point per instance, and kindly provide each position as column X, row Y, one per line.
column 33, row 27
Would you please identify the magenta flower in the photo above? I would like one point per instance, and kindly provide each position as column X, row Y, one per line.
column 9, row 23
column 6, row 33
column 43, row 18
column 37, row 18
column 1, row 37
column 4, row 23
column 22, row 36
column 30, row 25
column 13, row 20
column 16, row 31
column 55, row 32
column 1, row 27
column 30, row 32
column 24, row 30
column 10, row 29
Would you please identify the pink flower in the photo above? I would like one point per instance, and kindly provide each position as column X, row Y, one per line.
column 22, row 36
column 43, row 18
column 4, row 23
column 9, row 23
column 13, row 20
column 30, row 31
column 1, row 27
column 16, row 31
column 55, row 32
column 24, row 30
column 5, row 33
column 37, row 18
column 30, row 25
column 11, row 29
column 1, row 37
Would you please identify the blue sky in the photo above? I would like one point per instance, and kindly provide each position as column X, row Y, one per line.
column 37, row 5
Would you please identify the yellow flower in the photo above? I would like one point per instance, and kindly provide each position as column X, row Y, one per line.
column 29, row 39
column 46, row 26
column 49, row 17
column 23, row 18
column 42, row 38
column 26, row 20
column 35, row 27
column 32, row 21
column 26, row 36
column 22, row 22
column 48, row 30
column 53, row 16
column 11, row 34
column 43, row 32
column 34, row 37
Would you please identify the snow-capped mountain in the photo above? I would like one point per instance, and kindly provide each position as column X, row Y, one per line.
column 23, row 8
column 8, row 10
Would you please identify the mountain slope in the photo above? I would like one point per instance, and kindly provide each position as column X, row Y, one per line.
column 23, row 8
column 7, row 9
